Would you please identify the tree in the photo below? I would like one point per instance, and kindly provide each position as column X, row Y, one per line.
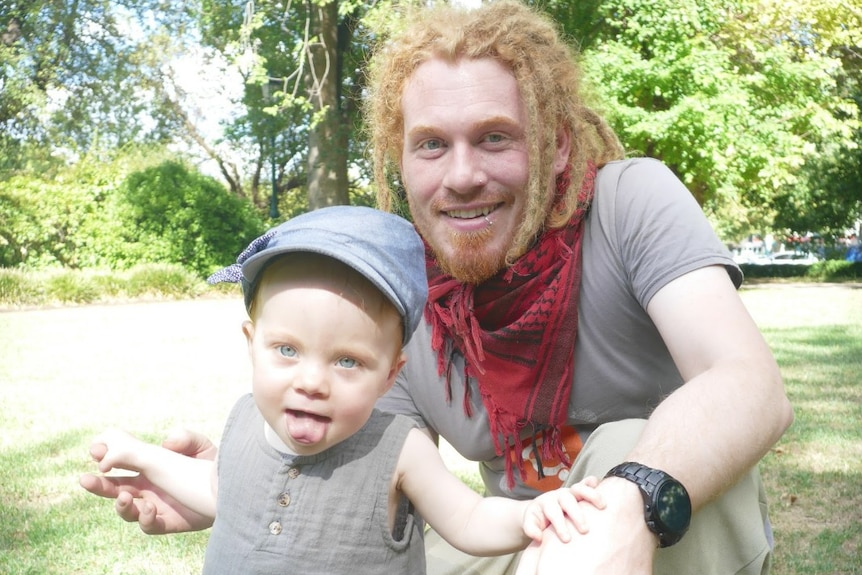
column 734, row 95
column 302, row 64
column 828, row 196
column 71, row 74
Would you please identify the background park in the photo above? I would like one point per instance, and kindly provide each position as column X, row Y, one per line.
column 143, row 143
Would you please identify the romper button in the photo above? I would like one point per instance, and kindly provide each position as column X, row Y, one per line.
column 293, row 472
column 284, row 499
column 275, row 527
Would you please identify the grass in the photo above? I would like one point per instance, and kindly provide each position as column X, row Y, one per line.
column 814, row 475
column 69, row 372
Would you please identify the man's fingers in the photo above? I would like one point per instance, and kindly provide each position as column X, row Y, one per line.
column 148, row 520
column 110, row 487
column 127, row 507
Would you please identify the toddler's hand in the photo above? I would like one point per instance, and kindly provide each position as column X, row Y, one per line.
column 555, row 507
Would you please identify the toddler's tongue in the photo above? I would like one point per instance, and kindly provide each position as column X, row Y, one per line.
column 304, row 427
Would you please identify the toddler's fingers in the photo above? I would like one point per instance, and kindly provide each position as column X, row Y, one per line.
column 98, row 450
column 570, row 506
column 533, row 530
column 556, row 515
column 588, row 494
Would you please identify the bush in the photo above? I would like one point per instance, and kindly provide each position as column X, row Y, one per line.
column 828, row 270
column 103, row 215
column 170, row 214
column 831, row 270
column 765, row 271
column 19, row 288
column 64, row 286
column 39, row 221
column 71, row 287
column 162, row 280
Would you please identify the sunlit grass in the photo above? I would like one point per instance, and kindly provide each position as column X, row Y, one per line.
column 68, row 373
column 814, row 475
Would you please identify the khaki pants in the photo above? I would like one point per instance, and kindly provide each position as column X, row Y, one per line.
column 726, row 537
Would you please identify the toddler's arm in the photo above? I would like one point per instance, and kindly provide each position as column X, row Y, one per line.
column 483, row 525
column 190, row 481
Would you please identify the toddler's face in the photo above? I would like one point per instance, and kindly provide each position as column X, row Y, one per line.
column 322, row 354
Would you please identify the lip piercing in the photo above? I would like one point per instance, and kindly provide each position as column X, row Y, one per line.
column 490, row 223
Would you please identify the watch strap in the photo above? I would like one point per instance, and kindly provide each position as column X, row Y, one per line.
column 649, row 481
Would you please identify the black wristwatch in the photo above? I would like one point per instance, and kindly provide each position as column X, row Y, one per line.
column 667, row 507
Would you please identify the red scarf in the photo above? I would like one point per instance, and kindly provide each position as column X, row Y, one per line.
column 517, row 334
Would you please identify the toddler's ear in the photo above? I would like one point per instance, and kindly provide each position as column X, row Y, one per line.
column 248, row 332
column 399, row 362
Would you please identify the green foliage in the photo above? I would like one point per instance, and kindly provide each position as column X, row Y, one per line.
column 162, row 280
column 735, row 96
column 71, row 288
column 118, row 213
column 828, row 196
column 835, row 270
column 74, row 74
column 170, row 214
column 824, row 271
column 293, row 111
column 40, row 220
column 764, row 271
column 17, row 288
column 28, row 288
column 754, row 103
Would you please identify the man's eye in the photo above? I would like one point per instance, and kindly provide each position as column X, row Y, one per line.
column 286, row 351
column 494, row 138
column 432, row 145
column 347, row 362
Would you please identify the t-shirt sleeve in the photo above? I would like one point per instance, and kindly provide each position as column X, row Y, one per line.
column 661, row 230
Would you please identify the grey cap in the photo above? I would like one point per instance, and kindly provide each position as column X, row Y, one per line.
column 383, row 247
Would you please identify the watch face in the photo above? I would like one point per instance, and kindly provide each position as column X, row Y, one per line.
column 673, row 506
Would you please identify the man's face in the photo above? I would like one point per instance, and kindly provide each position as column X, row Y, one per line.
column 465, row 164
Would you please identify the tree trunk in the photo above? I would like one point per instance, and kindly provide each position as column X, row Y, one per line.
column 327, row 140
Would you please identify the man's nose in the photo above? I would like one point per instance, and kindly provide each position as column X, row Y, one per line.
column 465, row 173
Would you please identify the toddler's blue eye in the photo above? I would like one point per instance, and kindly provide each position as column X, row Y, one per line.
column 347, row 362
column 286, row 351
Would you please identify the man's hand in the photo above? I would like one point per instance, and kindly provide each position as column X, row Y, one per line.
column 138, row 500
column 618, row 540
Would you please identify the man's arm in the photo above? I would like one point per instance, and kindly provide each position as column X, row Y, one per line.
column 732, row 408
column 707, row 434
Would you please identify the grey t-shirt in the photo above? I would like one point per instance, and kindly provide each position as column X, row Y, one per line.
column 644, row 229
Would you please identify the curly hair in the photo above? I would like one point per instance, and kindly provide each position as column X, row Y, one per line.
column 549, row 80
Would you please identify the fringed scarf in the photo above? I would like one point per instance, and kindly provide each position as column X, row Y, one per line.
column 517, row 334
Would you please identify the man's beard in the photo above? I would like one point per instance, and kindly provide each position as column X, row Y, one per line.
column 471, row 262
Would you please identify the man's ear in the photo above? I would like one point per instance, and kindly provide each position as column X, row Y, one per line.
column 564, row 150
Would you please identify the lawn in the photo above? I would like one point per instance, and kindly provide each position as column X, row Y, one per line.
column 67, row 373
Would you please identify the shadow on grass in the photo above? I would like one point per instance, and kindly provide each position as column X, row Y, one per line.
column 814, row 475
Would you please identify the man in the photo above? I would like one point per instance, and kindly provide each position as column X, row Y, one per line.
column 582, row 316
